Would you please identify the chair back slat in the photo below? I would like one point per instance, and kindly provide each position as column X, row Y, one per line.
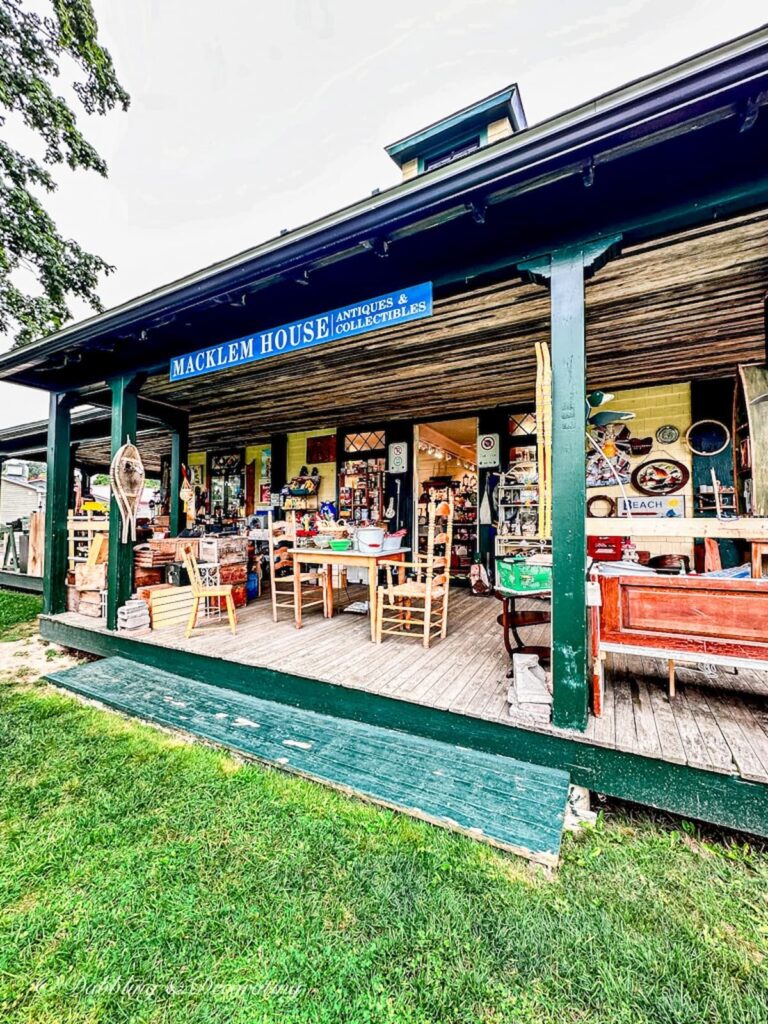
column 193, row 569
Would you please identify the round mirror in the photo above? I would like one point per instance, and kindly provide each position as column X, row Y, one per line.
column 707, row 437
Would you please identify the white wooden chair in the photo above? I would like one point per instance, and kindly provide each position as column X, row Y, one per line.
column 419, row 606
column 289, row 589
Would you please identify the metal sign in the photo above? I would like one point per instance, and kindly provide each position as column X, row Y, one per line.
column 413, row 303
column 397, row 461
column 488, row 451
column 662, row 507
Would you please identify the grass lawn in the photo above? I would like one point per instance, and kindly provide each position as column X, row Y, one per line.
column 145, row 879
column 18, row 613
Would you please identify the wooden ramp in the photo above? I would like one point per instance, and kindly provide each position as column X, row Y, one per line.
column 517, row 806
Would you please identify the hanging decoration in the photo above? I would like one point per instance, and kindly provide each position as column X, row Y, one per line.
column 601, row 506
column 126, row 477
column 660, row 476
column 667, row 434
column 707, row 437
column 608, row 463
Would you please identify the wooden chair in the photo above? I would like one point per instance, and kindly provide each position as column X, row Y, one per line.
column 419, row 606
column 201, row 592
column 288, row 590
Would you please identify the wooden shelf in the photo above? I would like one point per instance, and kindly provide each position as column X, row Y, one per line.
column 735, row 529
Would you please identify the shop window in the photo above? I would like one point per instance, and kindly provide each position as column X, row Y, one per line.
column 367, row 441
column 523, row 424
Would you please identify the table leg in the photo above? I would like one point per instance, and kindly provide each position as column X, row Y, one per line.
column 506, row 620
column 297, row 592
column 372, row 581
column 512, row 623
column 401, row 569
column 328, row 590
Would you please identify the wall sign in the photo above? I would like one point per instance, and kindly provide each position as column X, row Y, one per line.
column 413, row 303
column 488, row 451
column 657, row 507
column 397, row 457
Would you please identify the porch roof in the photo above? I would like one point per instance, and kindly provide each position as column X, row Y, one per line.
column 671, row 148
column 90, row 440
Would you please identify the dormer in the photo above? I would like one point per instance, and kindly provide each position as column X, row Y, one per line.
column 479, row 125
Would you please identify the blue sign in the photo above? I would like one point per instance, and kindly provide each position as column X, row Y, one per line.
column 400, row 307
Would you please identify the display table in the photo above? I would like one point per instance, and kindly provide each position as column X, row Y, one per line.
column 361, row 559
column 512, row 619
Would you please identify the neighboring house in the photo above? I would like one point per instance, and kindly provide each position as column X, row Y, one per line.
column 18, row 497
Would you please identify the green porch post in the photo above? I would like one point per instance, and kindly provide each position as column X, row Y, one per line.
column 179, row 457
column 57, row 504
column 120, row 566
column 566, row 270
column 569, row 605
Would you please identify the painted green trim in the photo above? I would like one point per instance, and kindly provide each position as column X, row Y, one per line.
column 721, row 799
column 57, row 503
column 179, row 457
column 21, row 581
column 120, row 565
column 493, row 108
column 569, row 542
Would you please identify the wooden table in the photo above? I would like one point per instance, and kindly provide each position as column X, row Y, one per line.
column 326, row 557
column 511, row 620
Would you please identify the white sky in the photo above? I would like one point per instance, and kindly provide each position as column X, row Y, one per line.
column 248, row 117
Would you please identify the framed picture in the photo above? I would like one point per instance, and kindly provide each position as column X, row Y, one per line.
column 321, row 449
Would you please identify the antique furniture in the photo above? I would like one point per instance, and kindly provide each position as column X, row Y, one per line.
column 750, row 440
column 328, row 559
column 691, row 619
column 287, row 588
column 419, row 606
column 203, row 593
column 512, row 619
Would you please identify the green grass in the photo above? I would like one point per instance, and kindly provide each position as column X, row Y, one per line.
column 17, row 614
column 142, row 879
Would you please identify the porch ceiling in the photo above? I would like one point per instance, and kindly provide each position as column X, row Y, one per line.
column 680, row 307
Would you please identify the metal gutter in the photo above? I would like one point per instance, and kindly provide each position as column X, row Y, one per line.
column 632, row 107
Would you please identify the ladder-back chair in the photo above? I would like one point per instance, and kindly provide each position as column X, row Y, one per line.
column 419, row 606
column 201, row 592
column 292, row 589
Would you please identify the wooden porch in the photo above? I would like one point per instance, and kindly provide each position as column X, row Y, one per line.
column 717, row 722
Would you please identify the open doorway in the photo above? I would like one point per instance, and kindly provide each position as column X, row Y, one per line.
column 446, row 460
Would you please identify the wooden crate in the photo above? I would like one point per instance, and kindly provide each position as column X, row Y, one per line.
column 91, row 577
column 91, row 603
column 147, row 577
column 170, row 606
column 145, row 593
column 80, row 533
column 239, row 596
column 235, row 573
column 224, row 550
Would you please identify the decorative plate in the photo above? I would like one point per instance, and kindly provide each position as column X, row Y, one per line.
column 667, row 434
column 660, row 476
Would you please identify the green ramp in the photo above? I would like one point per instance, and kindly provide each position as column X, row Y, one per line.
column 517, row 806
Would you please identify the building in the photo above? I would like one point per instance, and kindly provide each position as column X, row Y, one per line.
column 628, row 237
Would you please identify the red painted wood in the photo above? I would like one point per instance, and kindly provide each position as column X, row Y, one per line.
column 686, row 613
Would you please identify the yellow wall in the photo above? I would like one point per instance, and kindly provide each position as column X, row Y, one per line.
column 198, row 461
column 297, row 457
column 654, row 407
column 500, row 129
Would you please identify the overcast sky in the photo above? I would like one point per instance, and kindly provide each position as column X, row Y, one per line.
column 248, row 117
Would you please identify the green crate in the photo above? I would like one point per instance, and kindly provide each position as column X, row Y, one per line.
column 514, row 572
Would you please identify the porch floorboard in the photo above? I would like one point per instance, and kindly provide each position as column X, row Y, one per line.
column 718, row 722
